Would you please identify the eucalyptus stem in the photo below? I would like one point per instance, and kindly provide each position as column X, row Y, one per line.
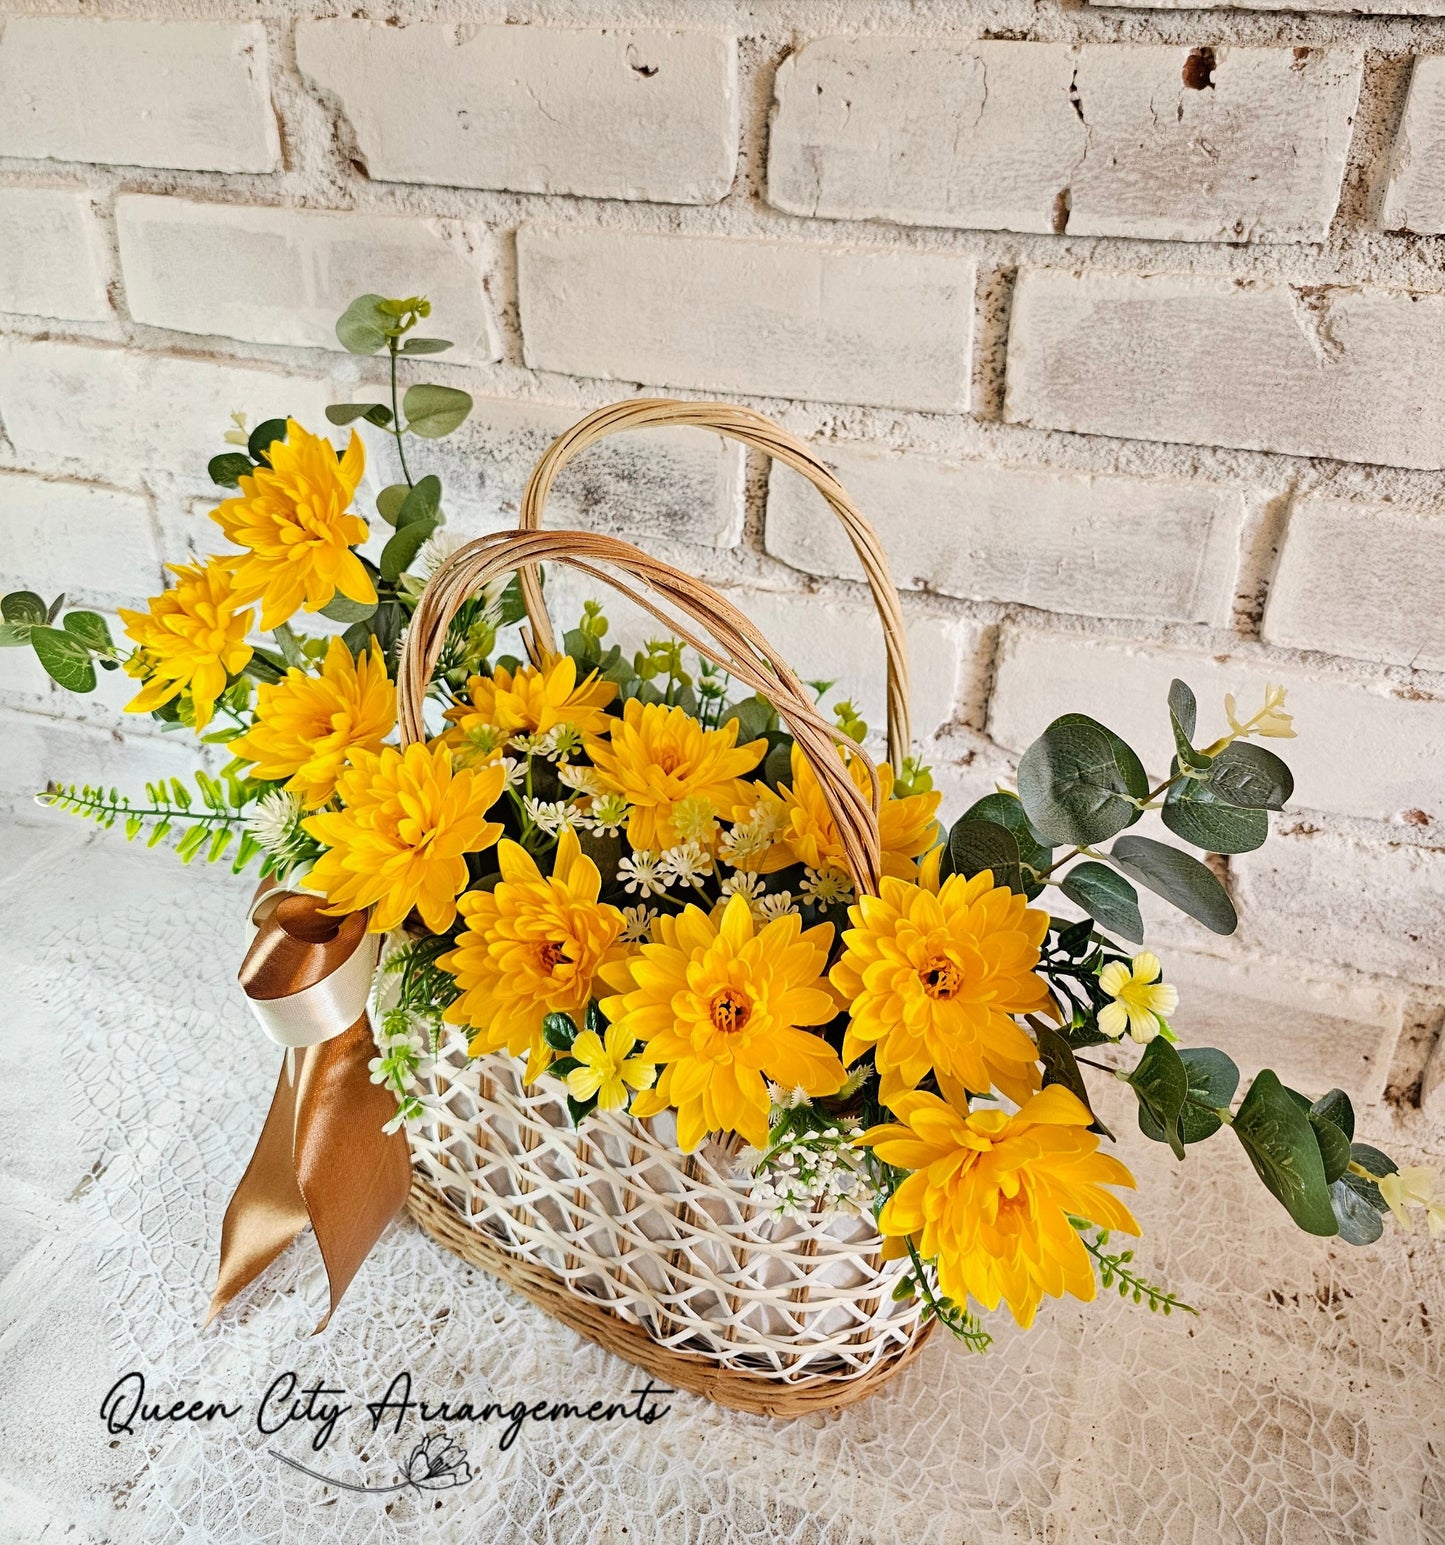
column 396, row 428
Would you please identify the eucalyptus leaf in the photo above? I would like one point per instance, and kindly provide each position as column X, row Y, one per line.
column 13, row 635
column 65, row 658
column 1079, row 783
column 23, row 606
column 1335, row 1107
column 403, row 547
column 425, row 346
column 1194, row 811
column 1280, row 1142
column 434, row 411
column 422, row 503
column 348, row 412
column 1378, row 1164
column 362, row 328
column 341, row 608
column 1182, row 714
column 91, row 629
column 1007, row 810
column 1061, row 1067
column 1359, row 1222
column 390, row 500
column 1213, row 1079
column 1247, row 775
column 974, row 846
column 1107, row 897
column 755, row 716
column 227, row 469
column 1161, row 1085
column 1179, row 879
column 263, row 437
column 1334, row 1146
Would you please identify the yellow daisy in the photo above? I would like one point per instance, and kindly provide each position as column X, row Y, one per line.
column 306, row 726
column 657, row 757
column 292, row 520
column 532, row 946
column 726, row 1006
column 1141, row 1000
column 401, row 838
column 934, row 980
column 532, row 701
column 990, row 1195
column 192, row 639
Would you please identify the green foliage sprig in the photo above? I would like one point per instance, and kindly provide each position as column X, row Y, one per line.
column 1115, row 1271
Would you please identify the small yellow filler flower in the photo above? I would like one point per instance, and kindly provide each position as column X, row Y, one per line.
column 658, row 757
column 725, row 1006
column 192, row 638
column 306, row 726
column 934, row 980
column 991, row 1194
column 1413, row 1187
column 532, row 946
column 401, row 839
column 292, row 520
column 1142, row 1003
column 608, row 1068
column 532, row 701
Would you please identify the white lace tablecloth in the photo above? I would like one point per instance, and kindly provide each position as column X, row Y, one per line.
column 1306, row 1403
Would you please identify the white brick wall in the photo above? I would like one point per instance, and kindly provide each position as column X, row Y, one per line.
column 771, row 318
column 52, row 254
column 96, row 544
column 285, row 275
column 1098, row 141
column 1415, row 199
column 137, row 93
column 611, row 114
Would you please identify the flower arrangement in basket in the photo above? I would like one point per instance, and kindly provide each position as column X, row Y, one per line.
column 702, row 1027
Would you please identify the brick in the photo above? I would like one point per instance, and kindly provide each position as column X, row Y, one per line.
column 1330, row 898
column 664, row 485
column 604, row 114
column 1361, row 579
column 73, row 89
column 1356, row 7
column 52, row 257
column 1350, row 373
column 1415, row 197
column 1061, row 541
column 111, row 414
column 841, row 641
column 1358, row 750
column 284, row 275
column 1100, row 140
column 782, row 319
column 95, row 544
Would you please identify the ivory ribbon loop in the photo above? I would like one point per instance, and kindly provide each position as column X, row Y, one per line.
column 322, row 1157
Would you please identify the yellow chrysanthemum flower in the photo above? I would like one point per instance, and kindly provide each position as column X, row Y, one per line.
column 1141, row 1000
column 806, row 832
column 532, row 701
column 658, row 757
column 192, row 638
column 725, row 1007
column 292, row 520
column 608, row 1068
column 399, row 841
column 933, row 981
column 307, row 726
column 990, row 1196
column 531, row 947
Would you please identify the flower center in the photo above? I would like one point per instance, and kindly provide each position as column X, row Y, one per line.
column 669, row 758
column 551, row 954
column 941, row 977
column 729, row 1010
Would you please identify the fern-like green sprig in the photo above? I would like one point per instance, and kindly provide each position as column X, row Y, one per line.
column 210, row 825
column 954, row 1317
column 1116, row 1269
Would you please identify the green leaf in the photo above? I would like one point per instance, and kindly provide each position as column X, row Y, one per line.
column 65, row 658
column 1378, row 1164
column 1194, row 811
column 434, row 411
column 1182, row 714
column 229, row 468
column 1061, row 1067
column 348, row 412
column 1007, row 810
column 1335, row 1107
column 1359, row 1222
column 14, row 634
column 755, row 716
column 263, row 436
column 1213, row 1078
column 1079, row 782
column 390, row 500
column 974, row 846
column 559, row 1031
column 403, row 547
column 1334, row 1146
column 362, row 328
column 53, row 610
column 341, row 608
column 90, row 628
column 1251, row 777
column 1179, row 879
column 425, row 346
column 1161, row 1085
column 421, row 503
column 23, row 606
column 1277, row 1136
column 1107, row 897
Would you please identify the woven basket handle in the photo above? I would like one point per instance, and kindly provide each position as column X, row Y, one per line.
column 732, row 642
column 743, row 424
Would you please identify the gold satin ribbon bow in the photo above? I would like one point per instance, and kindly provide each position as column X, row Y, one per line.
column 322, row 1157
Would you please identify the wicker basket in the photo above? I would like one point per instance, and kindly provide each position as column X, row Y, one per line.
column 657, row 1255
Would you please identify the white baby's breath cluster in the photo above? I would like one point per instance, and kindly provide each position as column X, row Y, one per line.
column 405, row 1057
column 812, row 1169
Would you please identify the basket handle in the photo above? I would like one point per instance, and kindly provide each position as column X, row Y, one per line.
column 733, row 642
column 752, row 429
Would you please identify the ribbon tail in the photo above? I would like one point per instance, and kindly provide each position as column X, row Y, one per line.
column 267, row 1210
column 353, row 1177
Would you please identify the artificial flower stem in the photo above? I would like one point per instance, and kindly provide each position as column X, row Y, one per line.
column 396, row 428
